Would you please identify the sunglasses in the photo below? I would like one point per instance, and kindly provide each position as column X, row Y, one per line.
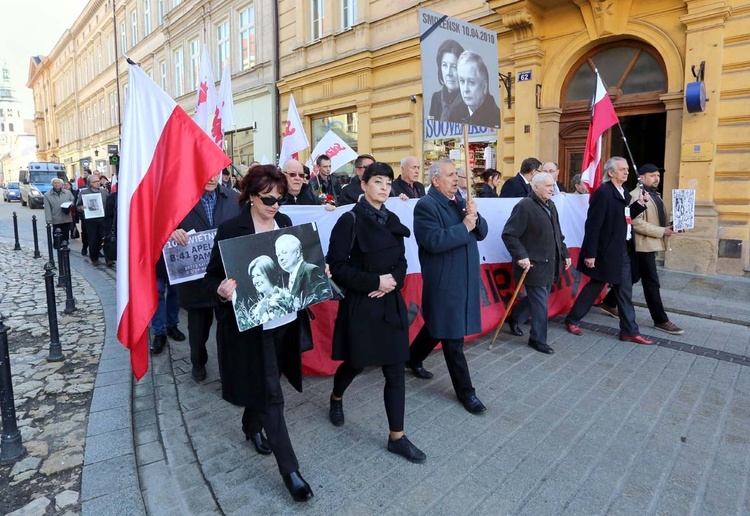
column 270, row 200
column 294, row 174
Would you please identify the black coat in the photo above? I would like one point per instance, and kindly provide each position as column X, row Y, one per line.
column 515, row 187
column 306, row 197
column 487, row 191
column 402, row 187
column 449, row 258
column 369, row 331
column 486, row 115
column 192, row 294
column 606, row 232
column 241, row 363
column 351, row 192
column 318, row 187
column 441, row 103
column 531, row 233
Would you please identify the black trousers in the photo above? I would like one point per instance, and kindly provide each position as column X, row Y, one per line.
column 623, row 293
column 453, row 350
column 534, row 305
column 84, row 236
column 394, row 392
column 64, row 230
column 94, row 235
column 651, row 287
column 270, row 415
column 199, row 329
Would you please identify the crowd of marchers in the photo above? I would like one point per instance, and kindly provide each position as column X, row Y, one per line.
column 366, row 258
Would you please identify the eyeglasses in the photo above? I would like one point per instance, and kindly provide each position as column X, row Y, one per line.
column 270, row 200
column 295, row 174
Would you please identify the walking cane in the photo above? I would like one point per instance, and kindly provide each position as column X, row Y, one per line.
column 510, row 306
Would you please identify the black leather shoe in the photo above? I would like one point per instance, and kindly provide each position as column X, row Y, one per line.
column 419, row 371
column 157, row 344
column 259, row 441
column 515, row 329
column 406, row 449
column 542, row 348
column 336, row 412
column 199, row 373
column 298, row 488
column 473, row 405
column 175, row 334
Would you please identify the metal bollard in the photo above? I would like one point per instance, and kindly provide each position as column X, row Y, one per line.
column 15, row 231
column 60, row 267
column 37, row 254
column 70, row 302
column 49, row 245
column 55, row 349
column 11, row 445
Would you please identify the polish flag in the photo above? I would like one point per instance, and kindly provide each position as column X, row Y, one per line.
column 166, row 162
column 603, row 117
column 295, row 138
column 224, row 114
column 205, row 103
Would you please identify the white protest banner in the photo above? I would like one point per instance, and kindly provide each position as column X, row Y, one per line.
column 460, row 79
column 335, row 148
column 188, row 262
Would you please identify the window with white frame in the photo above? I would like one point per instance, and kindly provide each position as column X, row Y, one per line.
column 95, row 112
column 93, row 67
column 175, row 3
column 103, row 112
column 134, row 28
column 163, row 76
column 112, row 109
column 159, row 12
column 179, row 74
column 247, row 37
column 110, row 50
column 348, row 13
column 99, row 57
column 222, row 39
column 84, row 76
column 146, row 17
column 316, row 17
column 123, row 39
column 195, row 63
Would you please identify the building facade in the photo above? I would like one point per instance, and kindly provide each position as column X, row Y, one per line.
column 11, row 128
column 355, row 66
column 80, row 87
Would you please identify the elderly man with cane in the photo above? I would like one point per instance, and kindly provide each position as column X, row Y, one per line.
column 536, row 243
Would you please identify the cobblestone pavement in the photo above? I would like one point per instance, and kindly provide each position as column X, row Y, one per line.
column 52, row 398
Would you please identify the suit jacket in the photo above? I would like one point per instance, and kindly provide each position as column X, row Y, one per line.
column 351, row 192
column 516, row 186
column 606, row 232
column 534, row 234
column 315, row 184
column 449, row 258
column 486, row 115
column 402, row 187
column 311, row 284
column 306, row 197
column 192, row 294
column 241, row 356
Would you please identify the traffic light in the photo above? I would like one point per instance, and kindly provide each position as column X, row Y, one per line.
column 114, row 159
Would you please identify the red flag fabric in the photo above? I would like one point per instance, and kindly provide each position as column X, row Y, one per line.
column 167, row 159
column 603, row 117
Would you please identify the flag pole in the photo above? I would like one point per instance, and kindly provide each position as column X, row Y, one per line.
column 466, row 161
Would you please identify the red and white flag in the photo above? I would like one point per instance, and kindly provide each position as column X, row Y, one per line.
column 205, row 103
column 333, row 146
column 603, row 117
column 166, row 162
column 224, row 115
column 295, row 138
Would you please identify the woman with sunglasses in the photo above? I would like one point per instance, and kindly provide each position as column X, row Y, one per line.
column 250, row 362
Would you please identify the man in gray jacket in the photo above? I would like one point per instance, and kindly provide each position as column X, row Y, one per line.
column 57, row 204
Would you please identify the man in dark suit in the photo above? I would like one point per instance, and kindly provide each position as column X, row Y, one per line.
column 217, row 204
column 351, row 192
column 536, row 243
column 605, row 257
column 407, row 186
column 447, row 230
column 307, row 282
column 551, row 168
column 325, row 182
column 298, row 192
column 475, row 106
column 520, row 184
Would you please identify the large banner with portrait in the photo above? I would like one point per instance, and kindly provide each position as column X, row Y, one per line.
column 459, row 71
column 277, row 273
column 497, row 282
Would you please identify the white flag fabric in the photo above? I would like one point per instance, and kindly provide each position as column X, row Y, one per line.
column 333, row 146
column 295, row 138
column 205, row 104
column 224, row 117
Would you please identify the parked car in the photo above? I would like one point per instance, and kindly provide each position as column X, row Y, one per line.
column 11, row 192
column 36, row 180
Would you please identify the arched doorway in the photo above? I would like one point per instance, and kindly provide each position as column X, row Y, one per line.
column 635, row 77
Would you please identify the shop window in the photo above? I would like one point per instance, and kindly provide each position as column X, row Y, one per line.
column 346, row 126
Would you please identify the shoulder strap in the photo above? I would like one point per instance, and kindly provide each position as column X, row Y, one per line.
column 354, row 234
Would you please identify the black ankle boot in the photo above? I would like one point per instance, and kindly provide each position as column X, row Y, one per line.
column 336, row 412
column 297, row 487
column 259, row 441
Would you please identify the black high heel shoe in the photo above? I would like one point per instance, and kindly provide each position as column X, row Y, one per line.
column 259, row 441
column 297, row 487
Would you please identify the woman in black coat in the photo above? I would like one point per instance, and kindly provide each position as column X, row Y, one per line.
column 491, row 178
column 366, row 257
column 250, row 362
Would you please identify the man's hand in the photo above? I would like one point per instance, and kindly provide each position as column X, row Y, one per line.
column 328, row 271
column 668, row 231
column 376, row 294
column 180, row 236
column 525, row 264
column 589, row 262
column 470, row 221
column 471, row 207
column 643, row 197
column 387, row 283
column 226, row 288
column 403, row 197
column 330, row 207
column 567, row 263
